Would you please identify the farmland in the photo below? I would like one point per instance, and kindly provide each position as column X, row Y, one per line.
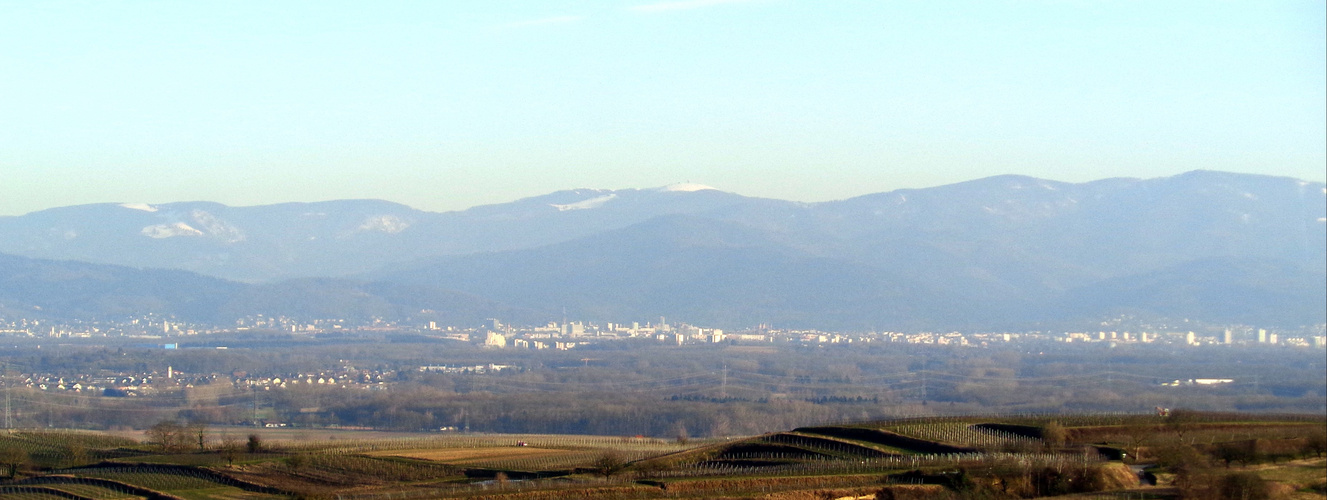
column 958, row 457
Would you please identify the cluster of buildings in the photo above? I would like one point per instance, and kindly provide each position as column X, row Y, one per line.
column 127, row 384
column 118, row 384
column 344, row 378
column 567, row 335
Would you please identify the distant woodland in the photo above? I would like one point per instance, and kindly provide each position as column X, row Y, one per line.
column 627, row 389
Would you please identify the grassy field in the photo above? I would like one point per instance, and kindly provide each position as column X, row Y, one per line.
column 282, row 434
column 1308, row 478
column 92, row 491
column 463, row 455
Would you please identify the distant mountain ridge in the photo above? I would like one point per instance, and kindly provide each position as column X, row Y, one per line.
column 1011, row 250
column 333, row 238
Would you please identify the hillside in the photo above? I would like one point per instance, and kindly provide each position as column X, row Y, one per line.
column 1182, row 456
column 64, row 290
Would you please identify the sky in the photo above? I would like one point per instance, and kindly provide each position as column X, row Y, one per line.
column 448, row 105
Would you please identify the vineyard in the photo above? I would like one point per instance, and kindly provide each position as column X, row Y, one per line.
column 854, row 458
column 962, row 434
column 61, row 448
column 449, row 441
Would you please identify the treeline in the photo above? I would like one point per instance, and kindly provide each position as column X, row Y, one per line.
column 633, row 388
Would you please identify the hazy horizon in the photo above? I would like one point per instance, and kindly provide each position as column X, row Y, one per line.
column 691, row 186
column 443, row 107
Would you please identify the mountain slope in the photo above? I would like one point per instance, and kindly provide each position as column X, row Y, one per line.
column 36, row 288
column 703, row 270
column 1224, row 290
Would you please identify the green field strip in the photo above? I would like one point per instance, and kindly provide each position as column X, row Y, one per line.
column 889, row 450
column 224, row 493
column 94, row 491
column 29, row 496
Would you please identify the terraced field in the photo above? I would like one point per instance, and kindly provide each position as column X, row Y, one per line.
column 962, row 434
column 849, row 459
column 60, row 448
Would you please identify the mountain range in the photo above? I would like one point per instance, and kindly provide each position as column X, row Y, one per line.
column 1005, row 251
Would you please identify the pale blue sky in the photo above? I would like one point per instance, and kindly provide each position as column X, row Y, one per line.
column 445, row 105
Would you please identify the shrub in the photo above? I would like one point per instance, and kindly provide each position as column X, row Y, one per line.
column 1053, row 434
column 1243, row 486
column 1315, row 443
column 1235, row 452
column 1180, row 457
column 13, row 458
column 297, row 462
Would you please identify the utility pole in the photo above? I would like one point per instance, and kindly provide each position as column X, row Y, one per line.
column 8, row 422
column 723, row 384
column 254, row 388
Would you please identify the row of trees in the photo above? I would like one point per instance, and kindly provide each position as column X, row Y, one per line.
column 174, row 436
column 171, row 436
column 1196, row 479
column 712, row 390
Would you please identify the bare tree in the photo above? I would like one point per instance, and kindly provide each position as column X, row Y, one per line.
column 197, row 430
column 1181, row 420
column 14, row 458
column 168, row 435
column 610, row 463
column 1138, row 435
column 1316, row 443
column 230, row 449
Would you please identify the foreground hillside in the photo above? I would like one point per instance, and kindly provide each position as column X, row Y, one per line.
column 1183, row 455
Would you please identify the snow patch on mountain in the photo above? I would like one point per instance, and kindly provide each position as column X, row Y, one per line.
column 389, row 224
column 160, row 231
column 595, row 202
column 139, row 206
column 686, row 187
column 217, row 227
